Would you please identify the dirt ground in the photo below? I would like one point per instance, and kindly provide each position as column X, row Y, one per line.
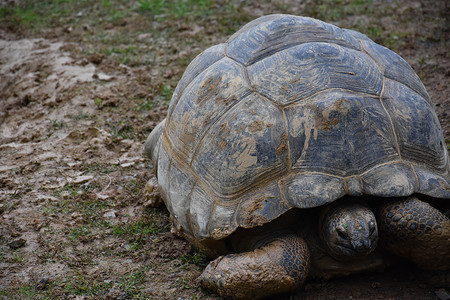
column 82, row 84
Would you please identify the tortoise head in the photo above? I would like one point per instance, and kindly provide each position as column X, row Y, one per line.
column 348, row 229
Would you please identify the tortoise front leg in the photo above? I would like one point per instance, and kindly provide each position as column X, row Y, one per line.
column 415, row 230
column 278, row 267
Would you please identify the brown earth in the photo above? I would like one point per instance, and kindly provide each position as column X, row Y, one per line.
column 78, row 98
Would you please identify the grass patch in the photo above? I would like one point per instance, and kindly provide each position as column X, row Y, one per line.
column 195, row 257
column 37, row 13
column 27, row 291
column 334, row 10
column 231, row 17
column 121, row 130
column 79, row 232
column 31, row 14
column 166, row 93
column 101, row 168
column 138, row 228
column 162, row 9
column 145, row 105
column 68, row 191
column 137, row 234
column 17, row 256
column 126, row 55
column 4, row 294
column 131, row 281
column 161, row 94
column 80, row 284
column 75, row 199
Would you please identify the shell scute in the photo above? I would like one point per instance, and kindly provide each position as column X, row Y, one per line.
column 260, row 205
column 243, row 148
column 417, row 128
column 262, row 39
column 395, row 67
column 401, row 180
column 339, row 133
column 210, row 94
column 196, row 67
column 199, row 213
column 180, row 192
column 431, row 183
column 305, row 190
column 296, row 73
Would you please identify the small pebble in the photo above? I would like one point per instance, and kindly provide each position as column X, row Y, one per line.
column 42, row 284
column 17, row 244
column 375, row 284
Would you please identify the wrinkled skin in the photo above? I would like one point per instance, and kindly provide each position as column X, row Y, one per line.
column 349, row 230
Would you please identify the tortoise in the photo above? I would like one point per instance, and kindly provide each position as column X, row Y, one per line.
column 297, row 148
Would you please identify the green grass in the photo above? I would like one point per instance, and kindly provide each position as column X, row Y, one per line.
column 131, row 281
column 34, row 14
column 27, row 290
column 121, row 130
column 37, row 13
column 128, row 285
column 127, row 55
column 18, row 256
column 175, row 8
column 195, row 257
column 4, row 294
column 68, row 191
column 231, row 17
column 145, row 105
column 78, row 232
column 80, row 284
column 142, row 227
column 166, row 92
column 98, row 102
column 74, row 199
column 137, row 234
column 101, row 168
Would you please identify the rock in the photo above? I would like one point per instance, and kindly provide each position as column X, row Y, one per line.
column 42, row 284
column 376, row 285
column 96, row 58
column 81, row 179
column 16, row 244
column 109, row 214
column 102, row 76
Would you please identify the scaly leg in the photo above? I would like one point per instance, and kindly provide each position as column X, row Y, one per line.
column 278, row 267
column 415, row 230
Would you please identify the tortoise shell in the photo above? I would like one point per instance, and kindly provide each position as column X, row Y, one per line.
column 293, row 112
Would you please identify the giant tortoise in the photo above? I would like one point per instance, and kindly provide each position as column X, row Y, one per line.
column 290, row 149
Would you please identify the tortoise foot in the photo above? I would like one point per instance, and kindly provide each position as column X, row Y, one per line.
column 415, row 230
column 278, row 267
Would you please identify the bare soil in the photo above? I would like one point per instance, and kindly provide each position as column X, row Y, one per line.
column 78, row 97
